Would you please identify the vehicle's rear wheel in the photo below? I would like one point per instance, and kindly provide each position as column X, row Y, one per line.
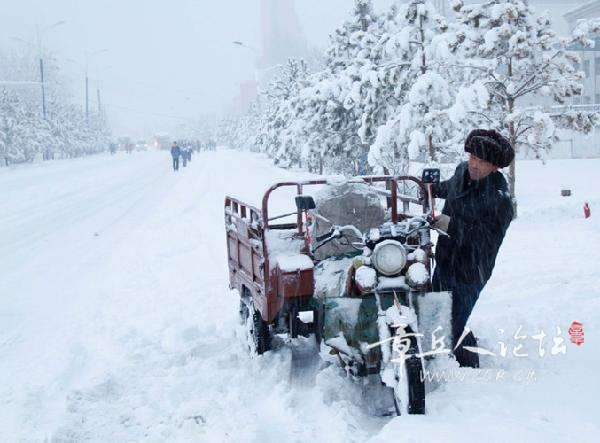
column 259, row 335
column 244, row 311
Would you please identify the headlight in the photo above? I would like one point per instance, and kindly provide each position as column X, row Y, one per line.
column 389, row 257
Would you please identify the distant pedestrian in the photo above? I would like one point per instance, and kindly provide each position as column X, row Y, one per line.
column 184, row 157
column 176, row 153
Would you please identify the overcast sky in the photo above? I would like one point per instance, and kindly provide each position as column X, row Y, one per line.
column 167, row 62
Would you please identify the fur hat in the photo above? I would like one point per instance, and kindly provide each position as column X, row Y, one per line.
column 491, row 146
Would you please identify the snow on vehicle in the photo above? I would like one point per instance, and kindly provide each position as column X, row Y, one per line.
column 349, row 268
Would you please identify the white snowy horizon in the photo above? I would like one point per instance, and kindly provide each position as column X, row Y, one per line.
column 160, row 67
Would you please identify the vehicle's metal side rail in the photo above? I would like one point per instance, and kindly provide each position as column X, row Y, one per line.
column 370, row 179
column 236, row 207
column 253, row 217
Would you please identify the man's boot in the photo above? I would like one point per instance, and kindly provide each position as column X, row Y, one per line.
column 464, row 357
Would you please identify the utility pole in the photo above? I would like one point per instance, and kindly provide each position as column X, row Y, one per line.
column 43, row 89
column 87, row 100
column 38, row 45
column 38, row 34
column 87, row 96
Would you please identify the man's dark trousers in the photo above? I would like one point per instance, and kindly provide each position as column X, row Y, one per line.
column 464, row 297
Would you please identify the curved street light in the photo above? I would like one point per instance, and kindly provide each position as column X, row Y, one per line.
column 244, row 45
column 259, row 73
column 39, row 33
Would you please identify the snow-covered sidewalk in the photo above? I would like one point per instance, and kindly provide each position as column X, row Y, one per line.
column 116, row 323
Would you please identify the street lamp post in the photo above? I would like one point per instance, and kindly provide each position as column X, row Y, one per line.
column 43, row 88
column 87, row 99
column 39, row 34
column 98, row 70
column 259, row 73
column 244, row 45
column 39, row 43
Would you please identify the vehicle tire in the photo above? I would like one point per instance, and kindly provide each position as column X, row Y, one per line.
column 245, row 302
column 409, row 394
column 260, row 334
column 244, row 311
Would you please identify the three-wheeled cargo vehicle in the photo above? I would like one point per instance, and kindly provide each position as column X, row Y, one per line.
column 353, row 267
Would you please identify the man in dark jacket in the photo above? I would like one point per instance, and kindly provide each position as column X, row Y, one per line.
column 476, row 214
column 175, row 153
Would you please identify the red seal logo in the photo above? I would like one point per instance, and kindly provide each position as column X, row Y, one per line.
column 576, row 333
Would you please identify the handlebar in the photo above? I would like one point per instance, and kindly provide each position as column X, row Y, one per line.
column 338, row 232
column 427, row 223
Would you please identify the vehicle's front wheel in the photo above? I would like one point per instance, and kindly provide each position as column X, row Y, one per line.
column 409, row 393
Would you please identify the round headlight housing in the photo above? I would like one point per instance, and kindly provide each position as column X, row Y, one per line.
column 389, row 257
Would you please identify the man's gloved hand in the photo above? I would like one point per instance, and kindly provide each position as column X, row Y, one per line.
column 441, row 222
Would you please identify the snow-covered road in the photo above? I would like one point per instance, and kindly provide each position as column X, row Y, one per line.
column 116, row 323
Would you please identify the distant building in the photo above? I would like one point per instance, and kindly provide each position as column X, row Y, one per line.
column 573, row 144
column 281, row 37
column 246, row 95
column 590, row 57
column 557, row 10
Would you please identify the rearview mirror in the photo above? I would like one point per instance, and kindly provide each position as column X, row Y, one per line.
column 305, row 202
column 430, row 176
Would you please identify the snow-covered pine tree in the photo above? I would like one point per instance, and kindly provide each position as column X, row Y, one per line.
column 12, row 117
column 243, row 129
column 338, row 108
column 353, row 39
column 319, row 124
column 421, row 127
column 521, row 61
column 275, row 137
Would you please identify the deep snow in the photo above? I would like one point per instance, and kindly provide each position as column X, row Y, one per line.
column 116, row 323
